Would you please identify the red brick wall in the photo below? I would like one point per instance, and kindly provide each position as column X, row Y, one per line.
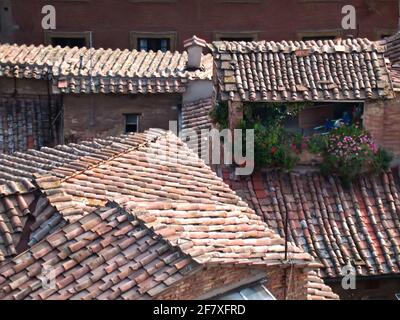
column 87, row 116
column 112, row 21
column 382, row 119
column 281, row 284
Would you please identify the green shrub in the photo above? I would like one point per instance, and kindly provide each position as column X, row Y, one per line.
column 220, row 115
column 382, row 160
column 273, row 146
column 317, row 143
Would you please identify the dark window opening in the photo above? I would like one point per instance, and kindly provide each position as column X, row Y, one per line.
column 311, row 119
column 316, row 38
column 131, row 123
column 154, row 44
column 68, row 42
column 246, row 39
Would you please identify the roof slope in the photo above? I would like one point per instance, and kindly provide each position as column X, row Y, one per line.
column 216, row 234
column 337, row 226
column 105, row 255
column 175, row 208
column 392, row 48
column 393, row 53
column 326, row 70
column 77, row 179
column 15, row 210
column 111, row 254
column 163, row 168
column 24, row 165
column 83, row 70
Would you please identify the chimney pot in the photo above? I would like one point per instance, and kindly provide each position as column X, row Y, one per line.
column 194, row 47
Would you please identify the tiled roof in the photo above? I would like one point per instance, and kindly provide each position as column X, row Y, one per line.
column 360, row 225
column 111, row 254
column 25, row 123
column 17, row 173
column 392, row 48
column 195, row 118
column 301, row 71
column 216, row 233
column 161, row 168
column 105, row 255
column 393, row 54
column 195, row 115
column 15, row 209
column 23, row 165
column 317, row 289
column 83, row 70
column 171, row 214
column 79, row 178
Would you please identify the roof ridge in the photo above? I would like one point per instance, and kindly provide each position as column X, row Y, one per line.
column 100, row 162
column 288, row 46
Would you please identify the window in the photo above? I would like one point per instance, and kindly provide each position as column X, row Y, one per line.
column 384, row 33
column 131, row 122
column 316, row 38
column 70, row 39
column 319, row 35
column 236, row 36
column 68, row 42
column 255, row 291
column 147, row 41
column 154, row 44
column 237, row 39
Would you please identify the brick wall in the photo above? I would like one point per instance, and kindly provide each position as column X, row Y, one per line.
column 281, row 282
column 382, row 119
column 113, row 20
column 89, row 116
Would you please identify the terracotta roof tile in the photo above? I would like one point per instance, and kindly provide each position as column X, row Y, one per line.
column 351, row 69
column 213, row 233
column 180, row 214
column 337, row 226
column 15, row 210
column 25, row 124
column 84, row 70
column 65, row 160
column 81, row 273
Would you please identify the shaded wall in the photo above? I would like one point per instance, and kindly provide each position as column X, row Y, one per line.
column 90, row 116
column 369, row 289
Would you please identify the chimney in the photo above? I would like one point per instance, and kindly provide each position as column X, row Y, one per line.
column 194, row 46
